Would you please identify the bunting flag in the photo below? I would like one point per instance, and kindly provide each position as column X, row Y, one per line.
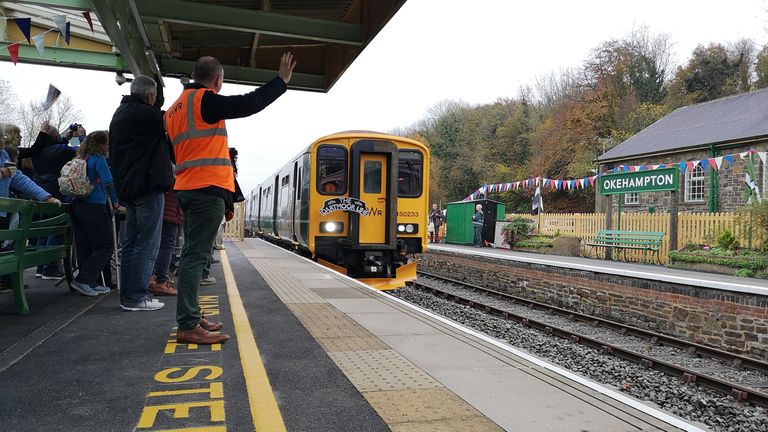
column 24, row 24
column 703, row 163
column 87, row 16
column 67, row 35
column 592, row 180
column 743, row 155
column 690, row 164
column 61, row 23
column 762, row 156
column 729, row 159
column 39, row 41
column 13, row 51
column 713, row 163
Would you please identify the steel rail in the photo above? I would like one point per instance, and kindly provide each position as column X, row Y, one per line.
column 738, row 391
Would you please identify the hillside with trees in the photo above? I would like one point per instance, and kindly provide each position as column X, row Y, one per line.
column 560, row 125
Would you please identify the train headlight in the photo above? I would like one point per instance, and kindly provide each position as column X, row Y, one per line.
column 407, row 228
column 331, row 227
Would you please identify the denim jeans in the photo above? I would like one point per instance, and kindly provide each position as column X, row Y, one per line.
column 167, row 247
column 143, row 225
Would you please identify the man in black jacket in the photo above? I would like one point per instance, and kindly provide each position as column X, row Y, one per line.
column 140, row 155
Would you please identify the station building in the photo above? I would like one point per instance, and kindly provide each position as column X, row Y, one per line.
column 727, row 131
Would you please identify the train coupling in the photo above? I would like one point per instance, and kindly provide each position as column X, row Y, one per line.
column 373, row 262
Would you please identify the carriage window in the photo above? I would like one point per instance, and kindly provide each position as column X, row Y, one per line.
column 284, row 182
column 332, row 170
column 372, row 177
column 409, row 173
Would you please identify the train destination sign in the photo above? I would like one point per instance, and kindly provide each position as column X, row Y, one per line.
column 664, row 179
column 344, row 204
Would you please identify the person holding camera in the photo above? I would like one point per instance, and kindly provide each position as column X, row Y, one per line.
column 47, row 169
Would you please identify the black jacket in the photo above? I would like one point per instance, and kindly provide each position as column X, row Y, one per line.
column 139, row 151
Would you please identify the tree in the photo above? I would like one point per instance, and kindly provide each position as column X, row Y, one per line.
column 713, row 72
column 8, row 103
column 62, row 114
column 761, row 68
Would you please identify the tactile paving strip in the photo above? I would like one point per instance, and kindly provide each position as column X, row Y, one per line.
column 332, row 344
column 471, row 424
column 380, row 370
column 325, row 321
column 419, row 405
column 283, row 284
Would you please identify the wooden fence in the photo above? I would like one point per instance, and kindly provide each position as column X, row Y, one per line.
column 234, row 230
column 692, row 227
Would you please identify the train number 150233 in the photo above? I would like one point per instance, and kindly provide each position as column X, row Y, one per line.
column 408, row 214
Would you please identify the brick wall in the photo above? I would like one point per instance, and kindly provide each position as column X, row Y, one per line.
column 722, row 319
column 730, row 183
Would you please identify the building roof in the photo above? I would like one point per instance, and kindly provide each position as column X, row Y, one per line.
column 165, row 37
column 726, row 120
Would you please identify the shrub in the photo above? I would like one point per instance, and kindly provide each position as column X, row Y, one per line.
column 755, row 215
column 726, row 240
column 747, row 273
column 516, row 230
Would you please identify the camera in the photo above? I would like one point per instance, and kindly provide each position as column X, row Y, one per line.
column 73, row 127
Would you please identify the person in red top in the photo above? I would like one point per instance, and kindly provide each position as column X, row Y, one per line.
column 205, row 180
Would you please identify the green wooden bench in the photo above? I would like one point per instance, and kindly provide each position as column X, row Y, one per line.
column 646, row 241
column 53, row 220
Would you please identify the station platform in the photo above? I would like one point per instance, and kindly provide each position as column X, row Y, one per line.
column 619, row 268
column 311, row 350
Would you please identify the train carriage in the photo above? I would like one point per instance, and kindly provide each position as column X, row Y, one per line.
column 355, row 201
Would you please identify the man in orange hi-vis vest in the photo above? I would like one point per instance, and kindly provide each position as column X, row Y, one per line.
column 204, row 176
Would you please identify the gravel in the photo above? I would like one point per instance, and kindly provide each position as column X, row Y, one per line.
column 694, row 403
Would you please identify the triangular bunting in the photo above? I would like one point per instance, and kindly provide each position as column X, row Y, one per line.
column 67, row 35
column 683, row 166
column 88, row 18
column 13, row 50
column 691, row 164
column 24, row 24
column 713, row 163
column 743, row 155
column 729, row 159
column 61, row 23
column 592, row 180
column 718, row 162
column 703, row 163
column 39, row 41
column 762, row 156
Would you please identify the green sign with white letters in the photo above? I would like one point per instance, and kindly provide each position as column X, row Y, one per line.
column 658, row 180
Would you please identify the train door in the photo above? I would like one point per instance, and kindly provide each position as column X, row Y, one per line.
column 258, row 212
column 275, row 205
column 373, row 168
column 373, row 178
column 292, row 206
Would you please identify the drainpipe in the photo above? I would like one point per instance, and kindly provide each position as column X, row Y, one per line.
column 713, row 186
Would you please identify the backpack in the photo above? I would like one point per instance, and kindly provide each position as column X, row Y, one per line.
column 74, row 179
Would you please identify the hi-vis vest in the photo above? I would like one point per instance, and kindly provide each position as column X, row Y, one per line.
column 201, row 149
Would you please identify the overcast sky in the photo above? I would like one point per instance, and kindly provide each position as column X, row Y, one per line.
column 432, row 50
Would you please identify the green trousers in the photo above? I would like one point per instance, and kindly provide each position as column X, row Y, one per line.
column 202, row 216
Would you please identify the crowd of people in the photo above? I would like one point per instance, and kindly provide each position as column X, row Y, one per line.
column 169, row 176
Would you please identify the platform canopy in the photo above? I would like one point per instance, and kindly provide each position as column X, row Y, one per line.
column 165, row 37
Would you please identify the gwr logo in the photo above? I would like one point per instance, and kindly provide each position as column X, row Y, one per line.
column 375, row 211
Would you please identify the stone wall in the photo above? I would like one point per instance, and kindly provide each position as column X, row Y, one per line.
column 730, row 182
column 726, row 320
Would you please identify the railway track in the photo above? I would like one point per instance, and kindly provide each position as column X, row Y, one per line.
column 561, row 322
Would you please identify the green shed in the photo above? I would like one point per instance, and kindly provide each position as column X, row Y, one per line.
column 458, row 220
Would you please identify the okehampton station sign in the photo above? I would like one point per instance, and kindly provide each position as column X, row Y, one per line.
column 664, row 179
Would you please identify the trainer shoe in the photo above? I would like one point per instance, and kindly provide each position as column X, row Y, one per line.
column 54, row 275
column 83, row 289
column 146, row 304
column 210, row 280
column 100, row 289
column 200, row 336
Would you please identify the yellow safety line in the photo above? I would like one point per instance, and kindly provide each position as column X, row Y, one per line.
column 264, row 410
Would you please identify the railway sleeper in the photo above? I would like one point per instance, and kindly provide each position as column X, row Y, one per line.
column 689, row 377
column 739, row 395
column 647, row 363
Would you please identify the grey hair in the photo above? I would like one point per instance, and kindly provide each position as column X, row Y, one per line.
column 142, row 86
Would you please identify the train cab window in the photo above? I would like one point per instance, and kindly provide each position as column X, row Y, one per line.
column 372, row 177
column 409, row 173
column 332, row 170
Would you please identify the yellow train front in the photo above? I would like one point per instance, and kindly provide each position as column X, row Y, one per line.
column 355, row 201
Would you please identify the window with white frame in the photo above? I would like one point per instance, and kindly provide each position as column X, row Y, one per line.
column 694, row 184
column 632, row 198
